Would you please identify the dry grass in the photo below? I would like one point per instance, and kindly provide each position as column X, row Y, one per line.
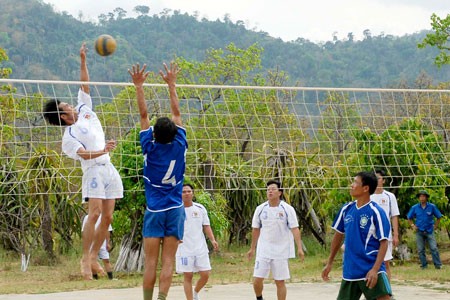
column 229, row 266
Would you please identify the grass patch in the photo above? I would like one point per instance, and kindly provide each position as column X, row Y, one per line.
column 230, row 265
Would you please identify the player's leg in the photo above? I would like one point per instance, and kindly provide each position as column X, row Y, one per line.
column 281, row 289
column 103, row 254
column 258, row 286
column 434, row 251
column 187, row 284
column 151, row 252
column 201, row 282
column 101, row 232
column 185, row 265
column 203, row 265
column 152, row 231
column 280, row 273
column 94, row 211
column 169, row 249
column 173, row 234
column 420, row 242
column 260, row 272
column 108, row 268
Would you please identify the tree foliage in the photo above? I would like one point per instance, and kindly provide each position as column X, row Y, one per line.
column 41, row 45
column 440, row 39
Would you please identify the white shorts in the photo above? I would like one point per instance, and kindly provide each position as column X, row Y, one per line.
column 188, row 264
column 388, row 255
column 279, row 268
column 102, row 182
column 103, row 253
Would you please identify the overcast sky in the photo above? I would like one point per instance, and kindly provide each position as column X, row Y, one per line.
column 315, row 20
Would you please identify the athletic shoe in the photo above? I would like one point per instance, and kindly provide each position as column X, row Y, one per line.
column 196, row 296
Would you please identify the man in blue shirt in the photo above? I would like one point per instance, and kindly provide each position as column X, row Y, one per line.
column 164, row 146
column 424, row 214
column 365, row 227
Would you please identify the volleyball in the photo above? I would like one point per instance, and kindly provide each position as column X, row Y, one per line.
column 105, row 45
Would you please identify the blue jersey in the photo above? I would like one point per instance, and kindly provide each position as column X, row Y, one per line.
column 424, row 216
column 364, row 228
column 164, row 166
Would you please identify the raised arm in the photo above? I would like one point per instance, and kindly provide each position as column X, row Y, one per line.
column 84, row 74
column 170, row 77
column 138, row 76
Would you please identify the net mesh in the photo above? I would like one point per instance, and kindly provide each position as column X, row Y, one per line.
column 310, row 138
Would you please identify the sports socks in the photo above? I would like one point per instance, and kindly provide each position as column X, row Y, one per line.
column 161, row 296
column 148, row 294
column 259, row 297
column 110, row 275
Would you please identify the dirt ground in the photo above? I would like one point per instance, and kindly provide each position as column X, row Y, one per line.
column 317, row 291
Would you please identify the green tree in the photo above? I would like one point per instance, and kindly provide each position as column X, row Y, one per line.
column 4, row 72
column 413, row 156
column 233, row 131
column 338, row 120
column 129, row 211
column 439, row 39
column 55, row 211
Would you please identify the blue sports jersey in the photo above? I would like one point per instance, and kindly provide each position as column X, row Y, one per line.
column 364, row 228
column 424, row 216
column 164, row 166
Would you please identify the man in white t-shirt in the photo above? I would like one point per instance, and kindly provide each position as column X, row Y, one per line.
column 84, row 140
column 275, row 228
column 103, row 253
column 192, row 253
column 388, row 203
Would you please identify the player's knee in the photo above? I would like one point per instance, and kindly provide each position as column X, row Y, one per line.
column 188, row 276
column 93, row 216
column 280, row 283
column 107, row 219
column 205, row 275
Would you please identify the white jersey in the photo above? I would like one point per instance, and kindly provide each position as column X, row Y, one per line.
column 388, row 202
column 276, row 240
column 86, row 132
column 194, row 241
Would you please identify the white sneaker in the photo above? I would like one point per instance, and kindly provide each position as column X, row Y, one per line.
column 196, row 296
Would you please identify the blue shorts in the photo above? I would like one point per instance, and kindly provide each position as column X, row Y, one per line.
column 164, row 223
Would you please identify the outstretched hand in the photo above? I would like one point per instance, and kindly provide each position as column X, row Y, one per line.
column 138, row 75
column 83, row 51
column 170, row 77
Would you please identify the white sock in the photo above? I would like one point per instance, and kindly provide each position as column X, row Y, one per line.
column 196, row 297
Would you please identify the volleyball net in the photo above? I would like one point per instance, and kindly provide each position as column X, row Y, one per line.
column 312, row 139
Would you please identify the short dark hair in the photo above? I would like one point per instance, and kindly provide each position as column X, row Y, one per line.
column 370, row 179
column 381, row 172
column 276, row 182
column 164, row 130
column 189, row 185
column 52, row 113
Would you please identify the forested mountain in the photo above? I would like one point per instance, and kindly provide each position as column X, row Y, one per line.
column 43, row 44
